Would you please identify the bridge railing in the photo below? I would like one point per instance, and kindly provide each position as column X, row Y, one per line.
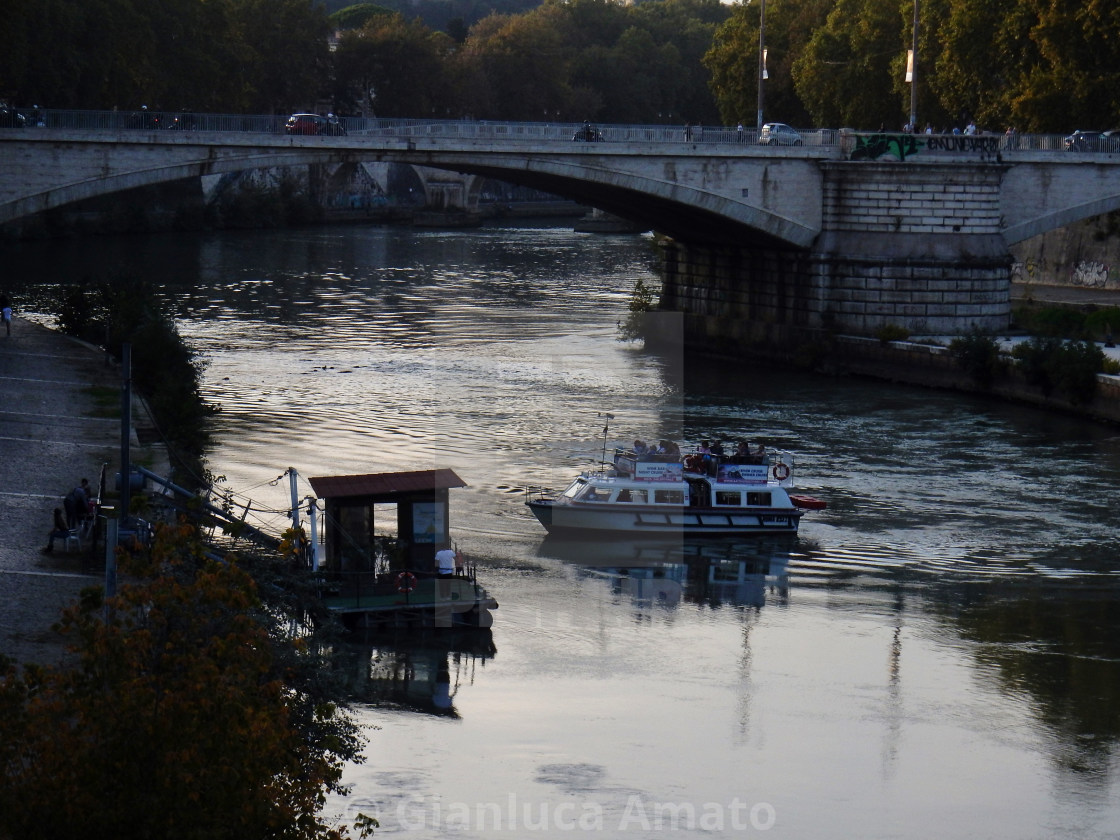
column 157, row 120
column 559, row 132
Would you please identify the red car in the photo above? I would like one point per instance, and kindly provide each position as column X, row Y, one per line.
column 314, row 124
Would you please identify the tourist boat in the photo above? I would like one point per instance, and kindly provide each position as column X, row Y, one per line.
column 679, row 497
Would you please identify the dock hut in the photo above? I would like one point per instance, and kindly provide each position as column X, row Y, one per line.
column 422, row 516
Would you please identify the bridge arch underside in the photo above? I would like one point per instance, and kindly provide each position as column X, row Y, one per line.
column 684, row 214
column 121, row 179
column 1036, row 199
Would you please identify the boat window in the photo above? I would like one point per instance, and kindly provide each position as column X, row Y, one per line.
column 758, row 499
column 668, row 497
column 592, row 494
column 627, row 494
column 575, row 489
column 729, row 497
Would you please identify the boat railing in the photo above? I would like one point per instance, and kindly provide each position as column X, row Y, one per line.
column 779, row 462
column 538, row 493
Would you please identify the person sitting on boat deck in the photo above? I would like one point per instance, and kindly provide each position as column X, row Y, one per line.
column 60, row 531
column 445, row 561
column 760, row 456
column 640, row 447
column 742, row 453
column 717, row 450
column 667, row 447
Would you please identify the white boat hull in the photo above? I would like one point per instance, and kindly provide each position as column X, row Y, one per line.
column 559, row 517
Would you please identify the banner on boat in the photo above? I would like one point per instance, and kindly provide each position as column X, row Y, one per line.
column 658, row 470
column 742, row 473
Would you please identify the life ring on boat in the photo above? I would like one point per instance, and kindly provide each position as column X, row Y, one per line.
column 781, row 471
column 406, row 582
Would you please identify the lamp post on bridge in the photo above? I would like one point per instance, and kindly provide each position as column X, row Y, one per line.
column 762, row 58
column 912, row 73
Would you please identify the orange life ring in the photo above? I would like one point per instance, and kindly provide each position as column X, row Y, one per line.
column 406, row 582
column 781, row 471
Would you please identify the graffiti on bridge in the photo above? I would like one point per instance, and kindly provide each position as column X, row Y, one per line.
column 877, row 145
column 964, row 142
column 902, row 146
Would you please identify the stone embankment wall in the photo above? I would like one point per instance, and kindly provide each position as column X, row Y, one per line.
column 912, row 363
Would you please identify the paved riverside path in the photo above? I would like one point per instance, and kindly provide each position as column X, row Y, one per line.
column 52, row 434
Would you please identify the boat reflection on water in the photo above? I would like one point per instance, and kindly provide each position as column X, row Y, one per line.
column 417, row 672
column 741, row 571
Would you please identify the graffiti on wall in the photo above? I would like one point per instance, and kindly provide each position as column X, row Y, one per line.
column 902, row 146
column 874, row 146
column 1090, row 274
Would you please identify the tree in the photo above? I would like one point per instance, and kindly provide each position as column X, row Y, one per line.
column 844, row 73
column 282, row 62
column 733, row 60
column 358, row 15
column 187, row 712
column 514, row 68
column 395, row 68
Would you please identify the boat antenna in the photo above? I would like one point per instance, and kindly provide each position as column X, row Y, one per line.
column 606, row 426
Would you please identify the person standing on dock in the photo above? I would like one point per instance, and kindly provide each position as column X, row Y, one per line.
column 445, row 561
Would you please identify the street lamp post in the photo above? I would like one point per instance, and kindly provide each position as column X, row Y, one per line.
column 914, row 74
column 762, row 58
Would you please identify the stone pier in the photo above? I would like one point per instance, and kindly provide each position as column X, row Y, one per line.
column 916, row 247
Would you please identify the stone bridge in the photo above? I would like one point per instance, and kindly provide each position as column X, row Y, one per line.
column 847, row 231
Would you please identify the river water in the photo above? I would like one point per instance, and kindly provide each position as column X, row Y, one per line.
column 937, row 654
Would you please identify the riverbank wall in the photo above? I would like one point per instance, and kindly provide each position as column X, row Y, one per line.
column 922, row 362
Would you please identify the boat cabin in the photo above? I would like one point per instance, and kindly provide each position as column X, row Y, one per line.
column 422, row 516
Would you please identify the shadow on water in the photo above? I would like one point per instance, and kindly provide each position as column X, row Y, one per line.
column 414, row 671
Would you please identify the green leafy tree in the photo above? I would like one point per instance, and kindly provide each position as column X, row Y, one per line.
column 184, row 713
column 282, row 62
column 687, row 28
column 513, row 68
column 733, row 60
column 358, row 15
column 395, row 68
column 844, row 73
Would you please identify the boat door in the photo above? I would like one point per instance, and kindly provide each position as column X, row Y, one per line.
column 699, row 492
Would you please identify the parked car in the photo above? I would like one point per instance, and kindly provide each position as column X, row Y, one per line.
column 314, row 124
column 11, row 118
column 588, row 134
column 1083, row 141
column 779, row 134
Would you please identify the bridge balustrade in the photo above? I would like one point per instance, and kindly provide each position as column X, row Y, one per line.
column 157, row 120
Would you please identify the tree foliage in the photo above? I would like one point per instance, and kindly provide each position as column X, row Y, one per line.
column 254, row 56
column 186, row 712
column 1032, row 64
